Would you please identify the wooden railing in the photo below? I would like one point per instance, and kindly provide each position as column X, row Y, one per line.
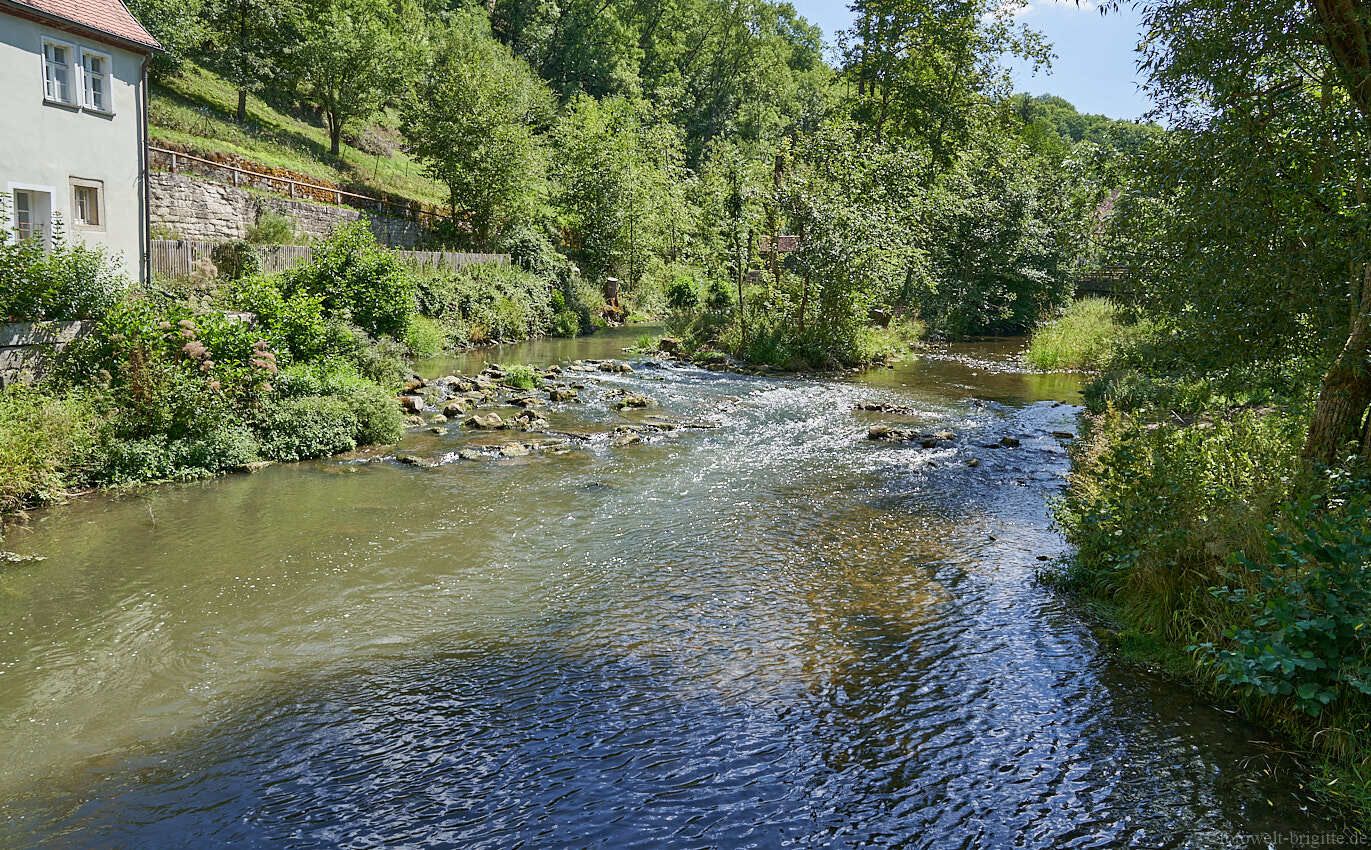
column 1109, row 280
column 180, row 258
column 177, row 162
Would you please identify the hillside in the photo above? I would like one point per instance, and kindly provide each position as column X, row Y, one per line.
column 194, row 110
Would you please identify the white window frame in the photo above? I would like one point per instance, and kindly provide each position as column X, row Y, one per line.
column 74, row 81
column 108, row 76
column 12, row 232
column 99, row 187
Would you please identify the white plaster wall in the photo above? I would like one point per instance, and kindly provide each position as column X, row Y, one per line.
column 47, row 145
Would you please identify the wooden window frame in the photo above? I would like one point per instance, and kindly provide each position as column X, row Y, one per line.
column 108, row 77
column 74, row 76
column 99, row 187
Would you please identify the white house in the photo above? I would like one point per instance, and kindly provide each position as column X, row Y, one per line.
column 73, row 124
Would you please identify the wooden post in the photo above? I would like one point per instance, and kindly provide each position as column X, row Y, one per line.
column 173, row 162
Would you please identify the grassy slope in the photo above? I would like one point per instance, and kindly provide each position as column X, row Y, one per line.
column 195, row 109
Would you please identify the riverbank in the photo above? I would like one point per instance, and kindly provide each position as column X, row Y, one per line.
column 191, row 379
column 1215, row 554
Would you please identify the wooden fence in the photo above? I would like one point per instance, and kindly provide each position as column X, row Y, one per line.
column 179, row 258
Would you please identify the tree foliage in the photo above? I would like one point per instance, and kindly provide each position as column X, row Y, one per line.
column 351, row 58
column 473, row 120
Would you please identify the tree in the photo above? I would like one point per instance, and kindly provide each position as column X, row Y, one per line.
column 1284, row 129
column 857, row 249
column 246, row 42
column 472, row 122
column 176, row 24
column 351, row 57
column 926, row 69
column 619, row 185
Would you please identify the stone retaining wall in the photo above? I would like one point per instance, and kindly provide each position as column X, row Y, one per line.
column 198, row 209
column 26, row 347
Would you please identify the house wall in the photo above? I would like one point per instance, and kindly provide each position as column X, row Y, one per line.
column 45, row 146
column 185, row 207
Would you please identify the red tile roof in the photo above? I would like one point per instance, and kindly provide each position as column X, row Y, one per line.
column 101, row 17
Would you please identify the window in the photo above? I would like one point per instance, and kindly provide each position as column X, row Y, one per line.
column 87, row 204
column 23, row 215
column 58, row 72
column 95, row 68
column 32, row 212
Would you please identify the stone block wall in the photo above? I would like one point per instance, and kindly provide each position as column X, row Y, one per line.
column 25, row 347
column 197, row 209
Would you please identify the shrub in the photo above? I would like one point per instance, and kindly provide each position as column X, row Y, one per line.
column 271, row 228
column 157, row 457
column 532, row 250
column 299, row 428
column 296, row 323
column 683, row 293
column 1305, row 602
column 425, row 337
column 522, row 376
column 487, row 303
column 63, row 282
column 1156, row 509
column 356, row 278
column 381, row 360
column 44, row 445
column 379, row 420
column 236, row 260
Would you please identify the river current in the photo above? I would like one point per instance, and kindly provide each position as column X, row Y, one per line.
column 762, row 630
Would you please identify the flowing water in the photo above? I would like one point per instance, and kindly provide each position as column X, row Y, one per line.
column 767, row 632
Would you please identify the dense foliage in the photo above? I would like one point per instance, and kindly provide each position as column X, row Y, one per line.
column 643, row 140
column 168, row 388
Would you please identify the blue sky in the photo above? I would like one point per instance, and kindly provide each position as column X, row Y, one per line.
column 1095, row 65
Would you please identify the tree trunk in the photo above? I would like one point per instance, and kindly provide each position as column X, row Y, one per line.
column 335, row 134
column 1346, row 391
column 242, row 62
column 804, row 285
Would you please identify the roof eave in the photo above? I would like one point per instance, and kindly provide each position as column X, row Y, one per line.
column 21, row 10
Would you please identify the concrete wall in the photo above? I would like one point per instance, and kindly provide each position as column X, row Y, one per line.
column 44, row 145
column 193, row 208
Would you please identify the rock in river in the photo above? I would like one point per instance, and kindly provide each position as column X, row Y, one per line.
column 457, row 407
column 633, row 401
column 485, row 421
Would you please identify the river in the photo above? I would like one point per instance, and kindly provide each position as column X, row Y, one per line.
column 767, row 632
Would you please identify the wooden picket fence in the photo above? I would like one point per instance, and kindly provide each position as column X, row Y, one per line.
column 180, row 258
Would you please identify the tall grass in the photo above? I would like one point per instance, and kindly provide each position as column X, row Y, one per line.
column 1084, row 337
column 1224, row 561
column 42, row 441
